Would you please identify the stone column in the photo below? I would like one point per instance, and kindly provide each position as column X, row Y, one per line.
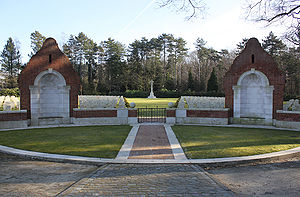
column 237, row 101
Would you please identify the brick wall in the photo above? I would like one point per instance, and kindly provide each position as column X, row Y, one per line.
column 207, row 113
column 262, row 62
column 293, row 117
column 94, row 113
column 171, row 113
column 41, row 62
column 132, row 113
column 13, row 116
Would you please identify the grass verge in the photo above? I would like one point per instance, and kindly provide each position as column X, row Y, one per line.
column 89, row 141
column 199, row 142
column 151, row 103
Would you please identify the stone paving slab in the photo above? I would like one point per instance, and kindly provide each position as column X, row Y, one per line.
column 278, row 179
column 28, row 178
column 151, row 142
column 24, row 177
column 148, row 180
column 127, row 146
column 175, row 145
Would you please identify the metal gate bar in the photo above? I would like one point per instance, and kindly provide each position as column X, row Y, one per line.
column 151, row 115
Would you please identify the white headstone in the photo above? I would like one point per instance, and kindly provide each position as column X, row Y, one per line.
column 7, row 106
column 181, row 103
column 121, row 102
column 296, row 105
column 287, row 106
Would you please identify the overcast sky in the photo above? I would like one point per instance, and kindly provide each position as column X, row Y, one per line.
column 223, row 26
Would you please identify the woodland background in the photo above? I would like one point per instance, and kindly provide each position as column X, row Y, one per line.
column 111, row 68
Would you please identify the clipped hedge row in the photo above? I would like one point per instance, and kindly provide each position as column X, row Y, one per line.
column 175, row 94
column 10, row 92
column 165, row 94
column 289, row 97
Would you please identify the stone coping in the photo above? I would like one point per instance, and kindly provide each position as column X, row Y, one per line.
column 95, row 161
column 287, row 112
column 13, row 112
column 96, row 109
column 207, row 109
column 178, row 154
column 207, row 125
column 200, row 109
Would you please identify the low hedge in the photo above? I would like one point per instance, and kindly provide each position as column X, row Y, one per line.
column 10, row 92
column 289, row 97
column 164, row 94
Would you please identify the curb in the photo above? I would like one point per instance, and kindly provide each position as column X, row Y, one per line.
column 179, row 159
column 100, row 161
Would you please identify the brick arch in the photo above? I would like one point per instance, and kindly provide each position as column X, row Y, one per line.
column 61, row 80
column 253, row 96
column 264, row 79
column 254, row 57
column 48, row 57
column 49, row 99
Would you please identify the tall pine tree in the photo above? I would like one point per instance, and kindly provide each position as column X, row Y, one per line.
column 37, row 40
column 273, row 45
column 191, row 83
column 115, row 65
column 10, row 63
column 212, row 84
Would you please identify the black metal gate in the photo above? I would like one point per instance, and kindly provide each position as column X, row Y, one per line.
column 151, row 115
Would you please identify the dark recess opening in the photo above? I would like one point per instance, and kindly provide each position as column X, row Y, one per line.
column 252, row 59
column 50, row 58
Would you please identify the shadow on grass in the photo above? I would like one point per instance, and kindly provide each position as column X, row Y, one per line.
column 201, row 142
column 243, row 144
column 91, row 141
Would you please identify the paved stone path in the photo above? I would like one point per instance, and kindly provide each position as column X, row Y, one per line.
column 26, row 178
column 23, row 177
column 148, row 180
column 151, row 142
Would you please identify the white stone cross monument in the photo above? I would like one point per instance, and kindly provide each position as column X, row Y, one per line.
column 151, row 93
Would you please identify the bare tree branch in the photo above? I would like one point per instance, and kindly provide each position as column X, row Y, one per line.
column 193, row 8
column 270, row 10
column 285, row 12
column 293, row 35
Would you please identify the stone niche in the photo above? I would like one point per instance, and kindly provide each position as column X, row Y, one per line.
column 49, row 86
column 254, row 86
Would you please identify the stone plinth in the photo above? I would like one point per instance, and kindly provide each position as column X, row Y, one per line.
column 13, row 119
column 151, row 96
column 288, row 119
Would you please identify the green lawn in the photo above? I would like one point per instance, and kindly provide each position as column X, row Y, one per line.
column 150, row 103
column 90, row 141
column 199, row 142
